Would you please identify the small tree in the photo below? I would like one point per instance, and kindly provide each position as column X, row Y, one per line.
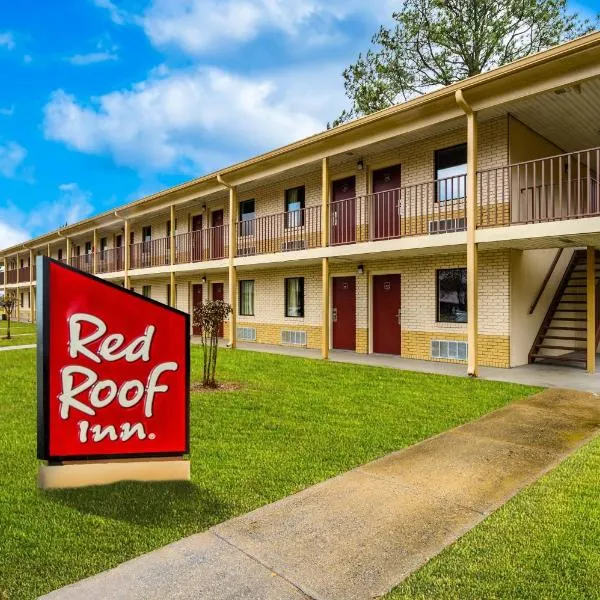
column 209, row 317
column 8, row 303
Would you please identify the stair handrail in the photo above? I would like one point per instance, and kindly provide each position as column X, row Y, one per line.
column 546, row 280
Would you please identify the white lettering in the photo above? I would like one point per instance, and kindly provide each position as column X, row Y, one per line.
column 109, row 345
column 144, row 342
column 99, row 433
column 136, row 385
column 69, row 391
column 95, row 399
column 83, row 429
column 128, row 431
column 78, row 345
column 152, row 387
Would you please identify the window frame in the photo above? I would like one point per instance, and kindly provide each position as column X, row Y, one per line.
column 436, row 168
column 288, row 213
column 149, row 294
column 247, row 226
column 438, row 318
column 302, row 297
column 240, row 300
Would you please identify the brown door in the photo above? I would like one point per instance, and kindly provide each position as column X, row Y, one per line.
column 196, row 238
column 386, row 314
column 119, row 252
column 344, row 313
column 196, row 301
column 343, row 211
column 385, row 207
column 217, row 241
column 217, row 294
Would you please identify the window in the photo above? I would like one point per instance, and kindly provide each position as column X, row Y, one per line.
column 78, row 251
column 452, row 295
column 131, row 238
column 147, row 291
column 88, row 247
column 247, row 216
column 146, row 233
column 103, row 244
column 294, row 204
column 168, row 294
column 450, row 173
column 247, row 298
column 169, row 228
column 294, row 297
column 22, row 300
column 60, row 254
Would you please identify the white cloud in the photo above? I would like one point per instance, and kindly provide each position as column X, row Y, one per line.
column 91, row 58
column 117, row 15
column 194, row 119
column 12, row 157
column 11, row 235
column 7, row 40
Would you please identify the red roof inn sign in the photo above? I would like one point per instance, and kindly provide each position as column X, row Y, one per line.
column 113, row 382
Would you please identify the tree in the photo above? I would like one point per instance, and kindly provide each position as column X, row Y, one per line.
column 209, row 317
column 435, row 43
column 8, row 302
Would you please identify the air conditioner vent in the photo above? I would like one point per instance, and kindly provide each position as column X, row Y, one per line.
column 449, row 349
column 293, row 338
column 246, row 334
column 447, row 225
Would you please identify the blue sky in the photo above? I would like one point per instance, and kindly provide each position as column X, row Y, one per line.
column 104, row 101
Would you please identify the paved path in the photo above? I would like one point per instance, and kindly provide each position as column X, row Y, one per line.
column 23, row 347
column 359, row 534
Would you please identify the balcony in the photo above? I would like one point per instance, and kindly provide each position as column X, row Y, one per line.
column 24, row 274
column 109, row 261
column 152, row 253
column 1, row 277
column 281, row 232
column 203, row 245
column 84, row 262
column 548, row 189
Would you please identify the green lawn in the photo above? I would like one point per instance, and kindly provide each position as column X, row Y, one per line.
column 296, row 422
column 17, row 339
column 16, row 328
column 544, row 543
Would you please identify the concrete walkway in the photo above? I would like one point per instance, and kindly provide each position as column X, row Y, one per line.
column 23, row 347
column 359, row 534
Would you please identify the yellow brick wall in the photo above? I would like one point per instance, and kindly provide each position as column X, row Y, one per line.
column 269, row 333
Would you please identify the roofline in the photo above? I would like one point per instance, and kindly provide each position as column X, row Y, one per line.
column 556, row 53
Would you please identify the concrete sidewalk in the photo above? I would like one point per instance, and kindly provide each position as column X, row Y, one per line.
column 359, row 534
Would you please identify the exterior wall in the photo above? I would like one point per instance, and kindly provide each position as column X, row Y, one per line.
column 528, row 270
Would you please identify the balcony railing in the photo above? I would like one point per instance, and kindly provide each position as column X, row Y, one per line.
column 203, row 245
column 281, row 232
column 1, row 277
column 11, row 276
column 85, row 262
column 153, row 253
column 24, row 274
column 111, row 260
column 549, row 189
column 425, row 208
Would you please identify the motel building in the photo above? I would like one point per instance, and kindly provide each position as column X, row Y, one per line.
column 459, row 226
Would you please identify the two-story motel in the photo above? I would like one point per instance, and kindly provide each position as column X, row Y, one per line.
column 458, row 226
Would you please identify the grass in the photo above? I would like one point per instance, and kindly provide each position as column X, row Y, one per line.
column 20, row 339
column 544, row 543
column 296, row 422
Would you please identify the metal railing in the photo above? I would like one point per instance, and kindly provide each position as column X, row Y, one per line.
column 211, row 243
column 11, row 276
column 425, row 208
column 85, row 262
column 548, row 189
column 108, row 261
column 152, row 253
column 281, row 232
column 24, row 274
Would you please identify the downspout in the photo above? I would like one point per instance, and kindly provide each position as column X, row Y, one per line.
column 471, row 214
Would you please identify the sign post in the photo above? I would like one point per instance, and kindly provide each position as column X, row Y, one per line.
column 113, row 382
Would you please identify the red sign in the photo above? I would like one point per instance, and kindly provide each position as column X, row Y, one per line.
column 113, row 370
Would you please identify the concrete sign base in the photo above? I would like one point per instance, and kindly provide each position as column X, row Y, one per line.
column 79, row 474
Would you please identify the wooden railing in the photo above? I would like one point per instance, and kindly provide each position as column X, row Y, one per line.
column 202, row 245
column 1, row 277
column 153, row 253
column 85, row 262
column 11, row 276
column 24, row 274
column 425, row 208
column 548, row 189
column 110, row 260
column 281, row 232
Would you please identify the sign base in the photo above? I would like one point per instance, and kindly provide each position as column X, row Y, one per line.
column 79, row 474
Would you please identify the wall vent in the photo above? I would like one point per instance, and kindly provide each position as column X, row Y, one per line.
column 293, row 245
column 449, row 349
column 447, row 225
column 247, row 334
column 293, row 338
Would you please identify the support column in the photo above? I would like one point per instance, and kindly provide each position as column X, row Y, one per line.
column 95, row 252
column 5, row 276
column 31, row 315
column 233, row 216
column 591, row 309
column 325, row 202
column 68, row 251
column 127, row 253
column 472, row 251
column 173, row 298
column 325, row 309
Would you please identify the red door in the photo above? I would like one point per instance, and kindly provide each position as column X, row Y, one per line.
column 386, row 314
column 343, row 211
column 344, row 313
column 217, row 241
column 196, row 238
column 196, row 301
column 385, row 207
column 217, row 294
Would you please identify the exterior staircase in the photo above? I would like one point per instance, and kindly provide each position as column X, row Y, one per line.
column 562, row 337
